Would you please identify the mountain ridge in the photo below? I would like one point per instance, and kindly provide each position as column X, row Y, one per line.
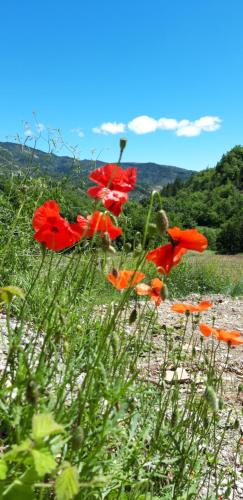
column 151, row 175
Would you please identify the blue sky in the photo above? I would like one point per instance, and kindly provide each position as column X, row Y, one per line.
column 166, row 74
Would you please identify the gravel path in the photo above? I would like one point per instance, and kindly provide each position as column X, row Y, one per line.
column 227, row 314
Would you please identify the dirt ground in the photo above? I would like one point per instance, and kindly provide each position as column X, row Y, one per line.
column 227, row 314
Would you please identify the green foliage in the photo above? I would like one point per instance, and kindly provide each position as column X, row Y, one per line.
column 67, row 484
column 212, row 199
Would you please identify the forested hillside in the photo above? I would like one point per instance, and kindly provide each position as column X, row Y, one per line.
column 210, row 200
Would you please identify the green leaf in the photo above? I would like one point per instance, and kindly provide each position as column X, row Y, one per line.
column 3, row 470
column 7, row 293
column 44, row 462
column 22, row 488
column 67, row 484
column 17, row 449
column 18, row 490
column 44, row 425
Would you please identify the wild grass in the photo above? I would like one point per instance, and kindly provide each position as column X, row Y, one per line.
column 208, row 273
column 78, row 418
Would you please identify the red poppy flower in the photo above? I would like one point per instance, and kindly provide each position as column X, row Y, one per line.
column 166, row 257
column 115, row 178
column 183, row 308
column 125, row 279
column 190, row 239
column 57, row 235
column 112, row 200
column 48, row 212
column 153, row 291
column 114, row 183
column 98, row 223
column 52, row 230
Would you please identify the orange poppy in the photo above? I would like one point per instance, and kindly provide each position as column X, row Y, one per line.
column 183, row 308
column 206, row 330
column 232, row 337
column 153, row 291
column 125, row 279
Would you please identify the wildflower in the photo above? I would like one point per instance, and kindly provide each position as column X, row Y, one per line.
column 182, row 308
column 168, row 256
column 206, row 330
column 52, row 230
column 112, row 200
column 190, row 239
column 46, row 213
column 98, row 223
column 114, row 184
column 125, row 279
column 165, row 257
column 154, row 291
column 232, row 337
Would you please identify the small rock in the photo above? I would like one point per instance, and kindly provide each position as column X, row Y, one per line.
column 180, row 375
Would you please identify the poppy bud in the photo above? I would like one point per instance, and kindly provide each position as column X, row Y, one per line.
column 221, row 403
column 162, row 222
column 77, row 438
column 123, row 143
column 106, row 241
column 138, row 249
column 211, row 398
column 32, row 392
column 127, row 247
column 133, row 316
column 152, row 228
column 236, row 424
column 164, row 292
column 115, row 272
column 111, row 249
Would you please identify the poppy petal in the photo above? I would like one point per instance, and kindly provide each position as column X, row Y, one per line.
column 143, row 289
column 125, row 278
column 49, row 210
column 190, row 239
column 206, row 330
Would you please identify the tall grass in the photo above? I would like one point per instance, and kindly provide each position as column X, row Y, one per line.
column 79, row 419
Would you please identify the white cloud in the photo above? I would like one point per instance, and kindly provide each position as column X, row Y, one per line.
column 167, row 123
column 208, row 123
column 78, row 131
column 203, row 124
column 110, row 128
column 146, row 124
column 143, row 125
column 189, row 130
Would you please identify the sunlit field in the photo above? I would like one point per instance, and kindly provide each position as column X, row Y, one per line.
column 113, row 386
